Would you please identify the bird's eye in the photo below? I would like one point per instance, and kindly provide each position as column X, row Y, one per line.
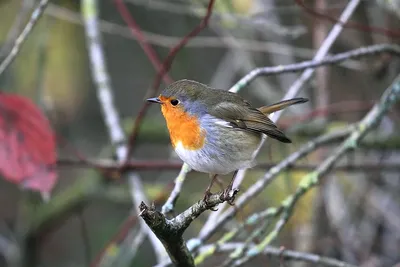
column 174, row 102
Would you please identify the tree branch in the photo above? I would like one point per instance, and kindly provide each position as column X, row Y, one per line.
column 37, row 13
column 284, row 254
column 267, row 179
column 170, row 231
column 292, row 92
column 150, row 165
column 15, row 28
column 389, row 98
column 165, row 68
column 110, row 113
column 137, row 32
column 328, row 60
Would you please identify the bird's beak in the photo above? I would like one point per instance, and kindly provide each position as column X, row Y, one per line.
column 154, row 100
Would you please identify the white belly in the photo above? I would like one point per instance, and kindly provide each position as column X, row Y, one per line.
column 219, row 155
column 204, row 160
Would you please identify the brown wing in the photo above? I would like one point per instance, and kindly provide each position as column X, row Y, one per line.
column 247, row 118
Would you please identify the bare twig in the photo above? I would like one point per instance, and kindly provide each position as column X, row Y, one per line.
column 150, row 165
column 137, row 32
column 187, row 9
column 36, row 14
column 306, row 75
column 128, row 239
column 127, row 249
column 171, row 231
column 286, row 254
column 165, row 68
column 125, row 227
column 168, row 207
column 349, row 25
column 194, row 211
column 85, row 237
column 245, row 62
column 389, row 98
column 293, row 90
column 104, row 93
column 15, row 28
column 268, row 178
column 267, row 71
column 199, row 41
column 322, row 51
column 323, row 75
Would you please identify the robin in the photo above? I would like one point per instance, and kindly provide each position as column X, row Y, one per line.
column 216, row 131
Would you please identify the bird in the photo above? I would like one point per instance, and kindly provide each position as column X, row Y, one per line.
column 216, row 131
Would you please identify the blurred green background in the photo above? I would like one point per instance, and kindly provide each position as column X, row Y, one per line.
column 53, row 69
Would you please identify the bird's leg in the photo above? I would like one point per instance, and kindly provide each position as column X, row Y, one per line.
column 225, row 194
column 220, row 183
column 207, row 193
column 213, row 177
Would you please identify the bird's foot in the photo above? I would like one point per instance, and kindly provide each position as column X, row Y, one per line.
column 229, row 195
column 206, row 199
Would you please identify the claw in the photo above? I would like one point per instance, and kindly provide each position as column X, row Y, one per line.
column 207, row 195
column 206, row 198
column 230, row 199
column 213, row 209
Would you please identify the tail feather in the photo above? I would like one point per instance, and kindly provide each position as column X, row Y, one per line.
column 281, row 105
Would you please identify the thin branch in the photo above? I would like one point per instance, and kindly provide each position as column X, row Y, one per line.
column 285, row 254
column 328, row 110
column 349, row 25
column 110, row 113
column 256, row 233
column 137, row 32
column 267, row 71
column 168, row 207
column 150, row 165
column 214, row 216
column 165, row 68
column 36, row 14
column 85, row 237
column 373, row 118
column 193, row 212
column 199, row 41
column 127, row 249
column 327, row 60
column 128, row 224
column 15, row 28
column 258, row 21
column 268, row 178
column 292, row 92
column 126, row 241
column 170, row 231
column 322, row 51
column 169, row 234
column 188, row 9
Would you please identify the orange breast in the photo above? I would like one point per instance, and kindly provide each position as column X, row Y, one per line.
column 183, row 128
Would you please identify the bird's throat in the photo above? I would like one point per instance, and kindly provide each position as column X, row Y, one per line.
column 183, row 128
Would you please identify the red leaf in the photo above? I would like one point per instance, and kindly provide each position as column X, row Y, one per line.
column 27, row 144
